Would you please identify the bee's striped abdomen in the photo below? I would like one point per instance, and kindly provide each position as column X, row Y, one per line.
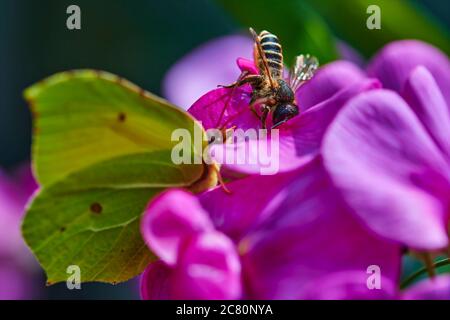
column 272, row 50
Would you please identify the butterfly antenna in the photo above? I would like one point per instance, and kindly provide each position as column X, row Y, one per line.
column 221, row 182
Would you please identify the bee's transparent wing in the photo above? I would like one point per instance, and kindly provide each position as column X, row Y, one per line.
column 304, row 68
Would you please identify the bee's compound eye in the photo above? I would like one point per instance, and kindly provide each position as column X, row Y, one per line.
column 283, row 113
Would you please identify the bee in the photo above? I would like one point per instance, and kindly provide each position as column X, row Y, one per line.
column 269, row 90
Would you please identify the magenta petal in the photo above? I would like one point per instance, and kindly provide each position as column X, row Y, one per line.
column 265, row 156
column 430, row 289
column 309, row 128
column 11, row 205
column 23, row 177
column 16, row 261
column 425, row 98
column 169, row 219
column 14, row 283
column 155, row 282
column 13, row 196
column 309, row 235
column 247, row 65
column 225, row 108
column 237, row 213
column 208, row 66
column 328, row 81
column 397, row 60
column 348, row 285
column 208, row 268
column 389, row 170
column 298, row 141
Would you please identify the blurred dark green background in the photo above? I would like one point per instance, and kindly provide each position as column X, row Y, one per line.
column 141, row 39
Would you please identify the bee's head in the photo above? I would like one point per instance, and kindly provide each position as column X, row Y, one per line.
column 283, row 113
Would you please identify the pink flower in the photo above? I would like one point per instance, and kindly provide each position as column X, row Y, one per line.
column 349, row 285
column 15, row 260
column 269, row 239
column 389, row 152
column 213, row 64
column 363, row 172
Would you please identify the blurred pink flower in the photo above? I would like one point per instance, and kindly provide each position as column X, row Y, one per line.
column 351, row 285
column 204, row 68
column 16, row 263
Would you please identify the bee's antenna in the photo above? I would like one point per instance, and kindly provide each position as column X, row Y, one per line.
column 253, row 32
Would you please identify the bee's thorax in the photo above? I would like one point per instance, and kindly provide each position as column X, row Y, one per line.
column 284, row 92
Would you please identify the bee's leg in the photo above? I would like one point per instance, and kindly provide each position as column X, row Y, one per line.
column 252, row 109
column 261, row 101
column 232, row 86
column 252, row 106
column 236, row 83
column 265, row 112
column 243, row 79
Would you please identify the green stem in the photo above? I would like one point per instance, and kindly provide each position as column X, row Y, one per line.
column 421, row 271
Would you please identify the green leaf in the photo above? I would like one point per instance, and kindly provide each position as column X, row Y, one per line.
column 299, row 28
column 86, row 116
column 399, row 20
column 441, row 266
column 102, row 150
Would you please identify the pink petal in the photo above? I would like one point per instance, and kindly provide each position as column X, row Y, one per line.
column 155, row 282
column 202, row 70
column 169, row 219
column 430, row 289
column 397, row 60
column 309, row 235
column 298, row 142
column 239, row 212
column 11, row 242
column 225, row 108
column 265, row 156
column 349, row 285
column 208, row 268
column 389, row 170
column 328, row 80
column 247, row 65
column 15, row 283
column 15, row 190
column 24, row 179
column 425, row 98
